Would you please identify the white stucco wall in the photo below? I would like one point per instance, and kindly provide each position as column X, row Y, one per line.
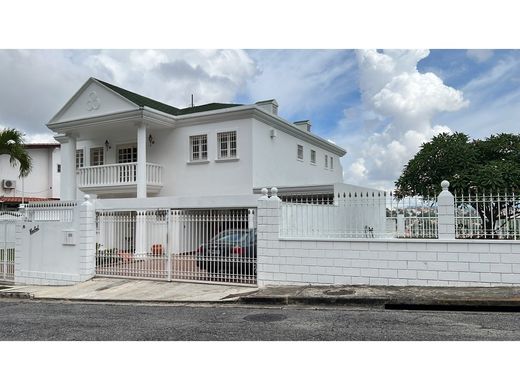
column 42, row 182
column 275, row 161
column 43, row 257
column 181, row 178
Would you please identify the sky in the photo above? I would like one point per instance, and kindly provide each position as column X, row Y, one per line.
column 380, row 105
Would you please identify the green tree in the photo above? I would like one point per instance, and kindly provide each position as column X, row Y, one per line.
column 472, row 167
column 12, row 144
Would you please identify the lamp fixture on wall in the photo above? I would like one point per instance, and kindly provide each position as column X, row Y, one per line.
column 107, row 145
column 151, row 140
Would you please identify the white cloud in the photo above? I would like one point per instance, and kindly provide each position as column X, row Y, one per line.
column 36, row 83
column 39, row 138
column 302, row 81
column 479, row 55
column 402, row 102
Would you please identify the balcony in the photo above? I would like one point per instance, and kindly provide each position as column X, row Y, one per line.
column 118, row 178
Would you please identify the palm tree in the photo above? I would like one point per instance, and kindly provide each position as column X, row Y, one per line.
column 12, row 144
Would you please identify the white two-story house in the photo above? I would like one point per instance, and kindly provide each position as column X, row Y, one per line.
column 42, row 183
column 118, row 144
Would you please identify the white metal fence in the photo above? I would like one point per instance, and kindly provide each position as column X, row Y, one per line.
column 216, row 246
column 359, row 214
column 487, row 215
column 7, row 248
column 59, row 211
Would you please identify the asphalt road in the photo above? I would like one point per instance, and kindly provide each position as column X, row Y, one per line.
column 38, row 320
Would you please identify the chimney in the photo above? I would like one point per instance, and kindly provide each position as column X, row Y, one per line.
column 303, row 125
column 271, row 106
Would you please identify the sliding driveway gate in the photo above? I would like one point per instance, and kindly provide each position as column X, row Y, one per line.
column 214, row 246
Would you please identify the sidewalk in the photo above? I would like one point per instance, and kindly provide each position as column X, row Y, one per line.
column 389, row 296
column 131, row 291
column 146, row 291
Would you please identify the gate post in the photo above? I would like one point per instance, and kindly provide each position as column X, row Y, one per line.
column 169, row 246
column 268, row 231
column 87, row 239
column 446, row 211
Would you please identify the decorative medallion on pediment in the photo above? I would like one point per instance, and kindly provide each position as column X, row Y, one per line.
column 93, row 102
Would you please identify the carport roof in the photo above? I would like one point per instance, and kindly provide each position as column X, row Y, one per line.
column 143, row 101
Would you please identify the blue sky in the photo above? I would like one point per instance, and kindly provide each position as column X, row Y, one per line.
column 379, row 105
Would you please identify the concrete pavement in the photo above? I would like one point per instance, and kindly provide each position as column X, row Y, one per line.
column 147, row 291
column 389, row 296
column 131, row 290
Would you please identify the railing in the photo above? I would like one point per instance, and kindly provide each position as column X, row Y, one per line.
column 487, row 215
column 153, row 174
column 359, row 214
column 50, row 211
column 117, row 174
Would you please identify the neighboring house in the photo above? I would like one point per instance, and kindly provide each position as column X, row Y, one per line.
column 116, row 143
column 43, row 183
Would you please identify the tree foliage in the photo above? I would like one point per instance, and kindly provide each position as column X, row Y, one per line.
column 485, row 165
column 476, row 168
column 12, row 144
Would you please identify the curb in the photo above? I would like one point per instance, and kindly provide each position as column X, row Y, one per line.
column 295, row 300
column 388, row 303
column 16, row 295
column 19, row 295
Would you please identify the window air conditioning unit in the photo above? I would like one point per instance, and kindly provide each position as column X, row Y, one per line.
column 8, row 184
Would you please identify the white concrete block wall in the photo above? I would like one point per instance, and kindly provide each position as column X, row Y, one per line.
column 42, row 258
column 397, row 262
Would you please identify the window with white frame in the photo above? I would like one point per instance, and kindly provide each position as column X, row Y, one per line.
column 97, row 156
column 331, row 163
column 313, row 156
column 80, row 158
column 199, row 147
column 227, row 144
column 326, row 161
column 300, row 152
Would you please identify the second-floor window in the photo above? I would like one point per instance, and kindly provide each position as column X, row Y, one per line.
column 326, row 161
column 300, row 152
column 313, row 156
column 97, row 156
column 199, row 147
column 80, row 158
column 227, row 144
column 331, row 163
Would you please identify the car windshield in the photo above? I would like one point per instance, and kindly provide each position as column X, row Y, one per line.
column 231, row 236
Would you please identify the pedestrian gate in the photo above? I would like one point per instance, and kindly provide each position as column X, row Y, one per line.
column 213, row 246
column 7, row 244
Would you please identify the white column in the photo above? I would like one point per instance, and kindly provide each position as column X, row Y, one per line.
column 446, row 212
column 68, row 185
column 140, row 234
column 141, row 161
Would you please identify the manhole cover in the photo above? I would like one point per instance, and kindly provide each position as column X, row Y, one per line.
column 338, row 292
column 265, row 317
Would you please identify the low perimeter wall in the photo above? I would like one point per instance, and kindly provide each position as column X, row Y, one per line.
column 56, row 252
column 397, row 262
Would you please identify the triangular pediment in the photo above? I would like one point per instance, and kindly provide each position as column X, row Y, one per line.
column 92, row 99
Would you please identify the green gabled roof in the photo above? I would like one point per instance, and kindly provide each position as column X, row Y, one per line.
column 143, row 101
column 206, row 107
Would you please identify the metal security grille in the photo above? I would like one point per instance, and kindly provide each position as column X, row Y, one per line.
column 487, row 214
column 214, row 246
column 7, row 250
column 227, row 144
column 199, row 147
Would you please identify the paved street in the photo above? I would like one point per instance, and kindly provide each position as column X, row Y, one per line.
column 32, row 320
